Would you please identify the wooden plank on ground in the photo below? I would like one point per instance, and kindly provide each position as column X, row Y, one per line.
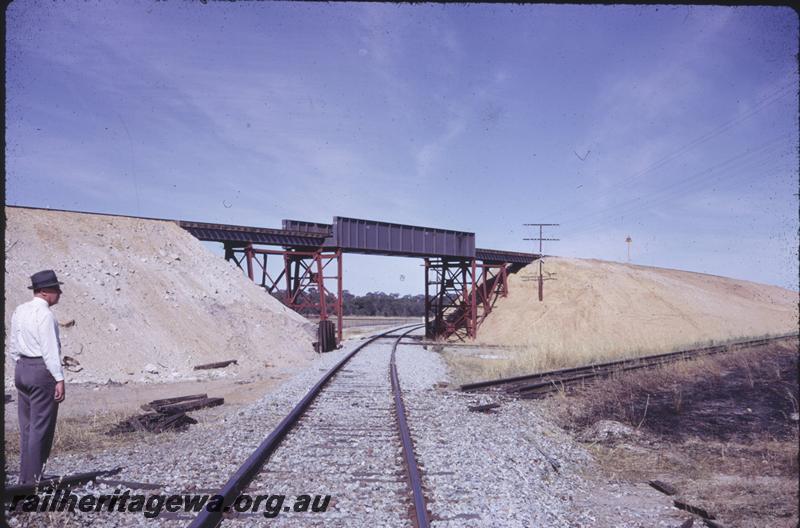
column 484, row 408
column 219, row 364
column 663, row 487
column 174, row 421
column 693, row 509
column 189, row 406
column 166, row 401
column 137, row 423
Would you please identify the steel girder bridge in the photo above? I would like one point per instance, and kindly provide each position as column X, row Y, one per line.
column 462, row 282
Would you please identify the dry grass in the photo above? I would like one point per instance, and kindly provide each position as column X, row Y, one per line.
column 598, row 310
column 541, row 361
column 73, row 435
column 698, row 459
column 79, row 434
column 719, row 428
column 528, row 360
column 466, row 368
column 745, row 485
column 753, row 391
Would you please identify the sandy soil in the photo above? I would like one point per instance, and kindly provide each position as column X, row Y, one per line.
column 85, row 400
column 595, row 309
column 144, row 301
column 90, row 410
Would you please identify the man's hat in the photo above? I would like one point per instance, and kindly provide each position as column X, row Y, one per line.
column 44, row 279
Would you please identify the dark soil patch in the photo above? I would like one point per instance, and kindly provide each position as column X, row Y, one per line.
column 722, row 431
column 740, row 396
column 747, row 400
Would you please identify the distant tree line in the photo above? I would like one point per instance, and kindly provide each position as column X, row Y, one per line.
column 372, row 303
column 384, row 304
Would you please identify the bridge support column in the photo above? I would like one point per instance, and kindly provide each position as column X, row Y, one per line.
column 460, row 294
column 450, row 298
column 313, row 283
column 491, row 283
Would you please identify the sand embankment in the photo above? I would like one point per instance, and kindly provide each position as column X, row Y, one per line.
column 593, row 310
column 145, row 292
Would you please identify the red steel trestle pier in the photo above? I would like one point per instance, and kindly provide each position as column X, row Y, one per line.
column 312, row 279
column 460, row 293
column 462, row 282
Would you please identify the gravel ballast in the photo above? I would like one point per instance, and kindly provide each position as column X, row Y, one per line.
column 510, row 467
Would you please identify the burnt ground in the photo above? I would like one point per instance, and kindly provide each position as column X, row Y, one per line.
column 750, row 397
column 722, row 429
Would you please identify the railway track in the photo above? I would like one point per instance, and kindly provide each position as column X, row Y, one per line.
column 347, row 437
column 540, row 384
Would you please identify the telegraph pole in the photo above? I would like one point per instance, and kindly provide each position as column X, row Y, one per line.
column 541, row 239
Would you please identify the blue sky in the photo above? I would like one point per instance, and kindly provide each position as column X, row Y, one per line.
column 676, row 125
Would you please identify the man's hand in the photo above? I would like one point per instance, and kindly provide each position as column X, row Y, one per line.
column 60, row 394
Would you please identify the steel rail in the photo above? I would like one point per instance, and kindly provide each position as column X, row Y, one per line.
column 551, row 385
column 595, row 371
column 633, row 364
column 537, row 389
column 414, row 478
column 255, row 462
column 536, row 381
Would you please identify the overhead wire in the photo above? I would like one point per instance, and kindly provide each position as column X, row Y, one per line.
column 634, row 212
column 774, row 97
column 703, row 174
column 719, row 179
column 689, row 185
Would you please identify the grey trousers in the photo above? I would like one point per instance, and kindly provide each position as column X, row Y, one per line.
column 38, row 411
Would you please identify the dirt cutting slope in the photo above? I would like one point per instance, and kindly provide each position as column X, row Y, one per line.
column 594, row 309
column 144, row 300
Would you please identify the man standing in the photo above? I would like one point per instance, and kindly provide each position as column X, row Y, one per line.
column 36, row 348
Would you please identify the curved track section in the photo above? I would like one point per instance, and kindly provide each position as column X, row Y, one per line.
column 414, row 478
column 340, row 439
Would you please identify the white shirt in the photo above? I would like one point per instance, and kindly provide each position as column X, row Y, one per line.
column 34, row 333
